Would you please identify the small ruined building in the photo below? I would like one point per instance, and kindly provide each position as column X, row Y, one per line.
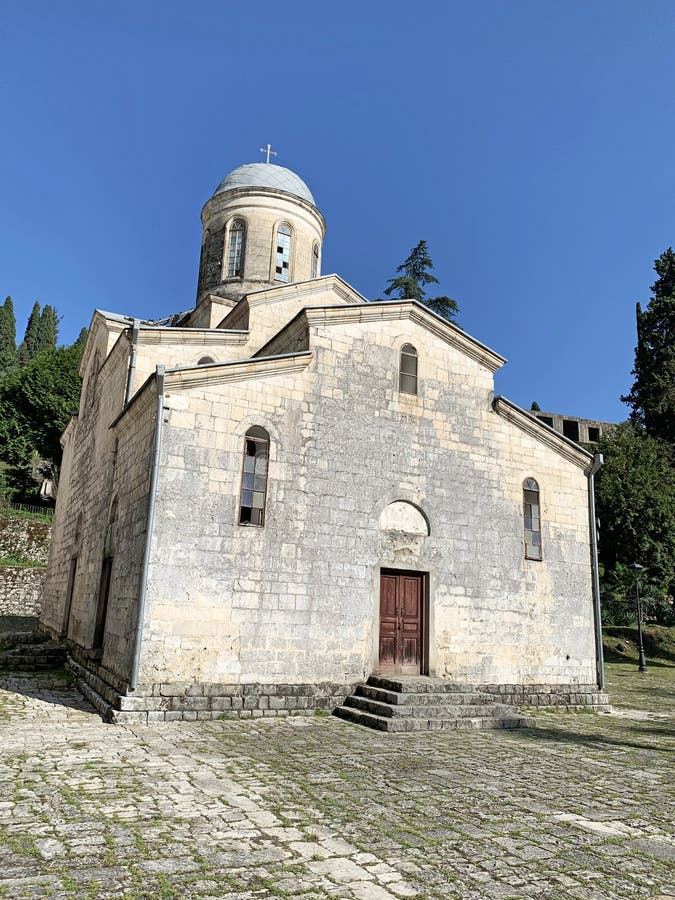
column 581, row 431
column 288, row 489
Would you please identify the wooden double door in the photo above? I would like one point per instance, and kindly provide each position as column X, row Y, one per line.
column 402, row 622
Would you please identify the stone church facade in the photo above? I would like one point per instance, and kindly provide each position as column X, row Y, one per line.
column 288, row 488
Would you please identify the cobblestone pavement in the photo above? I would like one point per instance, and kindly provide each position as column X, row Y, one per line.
column 579, row 807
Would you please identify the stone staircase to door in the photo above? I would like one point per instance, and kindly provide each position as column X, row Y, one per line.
column 417, row 703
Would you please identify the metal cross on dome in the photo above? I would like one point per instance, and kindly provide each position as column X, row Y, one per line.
column 268, row 150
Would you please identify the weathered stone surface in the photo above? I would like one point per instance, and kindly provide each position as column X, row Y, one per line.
column 578, row 808
column 21, row 590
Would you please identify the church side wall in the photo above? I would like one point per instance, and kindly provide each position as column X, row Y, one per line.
column 125, row 534
column 83, row 504
column 297, row 601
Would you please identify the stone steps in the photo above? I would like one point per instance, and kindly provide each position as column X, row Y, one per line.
column 458, row 698
column 396, row 704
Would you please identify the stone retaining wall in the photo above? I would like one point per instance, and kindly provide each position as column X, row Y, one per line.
column 21, row 590
column 27, row 538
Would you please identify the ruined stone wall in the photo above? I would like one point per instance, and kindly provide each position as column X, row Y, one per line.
column 297, row 601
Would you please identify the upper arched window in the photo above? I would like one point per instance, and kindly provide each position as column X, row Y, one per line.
column 407, row 379
column 315, row 260
column 254, row 477
column 532, row 519
column 282, row 259
column 205, row 360
column 236, row 246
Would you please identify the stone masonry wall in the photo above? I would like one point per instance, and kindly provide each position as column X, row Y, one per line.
column 21, row 586
column 297, row 601
column 21, row 590
column 25, row 537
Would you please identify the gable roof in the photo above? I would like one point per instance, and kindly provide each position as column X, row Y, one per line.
column 385, row 310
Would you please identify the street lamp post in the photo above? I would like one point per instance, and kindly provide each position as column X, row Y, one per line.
column 642, row 662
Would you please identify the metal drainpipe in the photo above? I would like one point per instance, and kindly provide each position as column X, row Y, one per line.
column 599, row 657
column 133, row 680
column 135, row 328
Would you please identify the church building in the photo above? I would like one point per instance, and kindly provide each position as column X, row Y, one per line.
column 288, row 489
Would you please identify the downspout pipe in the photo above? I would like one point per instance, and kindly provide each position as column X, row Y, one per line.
column 599, row 656
column 154, row 474
column 135, row 328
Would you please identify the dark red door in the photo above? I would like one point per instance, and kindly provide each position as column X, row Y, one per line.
column 401, row 605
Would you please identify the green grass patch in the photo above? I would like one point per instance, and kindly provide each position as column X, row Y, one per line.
column 8, row 512
column 24, row 562
column 620, row 643
column 652, row 691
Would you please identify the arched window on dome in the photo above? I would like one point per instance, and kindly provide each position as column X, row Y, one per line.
column 236, row 247
column 282, row 261
column 532, row 519
column 407, row 378
column 315, row 260
column 254, row 477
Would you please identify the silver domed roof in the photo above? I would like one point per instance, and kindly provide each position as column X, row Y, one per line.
column 266, row 175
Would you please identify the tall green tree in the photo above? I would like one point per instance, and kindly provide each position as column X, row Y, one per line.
column 30, row 345
column 48, row 328
column 412, row 283
column 635, row 498
column 7, row 337
column 36, row 402
column 652, row 396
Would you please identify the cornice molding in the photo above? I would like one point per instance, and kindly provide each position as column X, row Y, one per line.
column 239, row 370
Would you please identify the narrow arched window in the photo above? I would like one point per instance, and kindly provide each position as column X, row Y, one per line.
column 407, row 379
column 254, row 477
column 315, row 260
column 532, row 519
column 282, row 262
column 235, row 254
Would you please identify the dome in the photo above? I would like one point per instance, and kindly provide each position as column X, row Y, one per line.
column 265, row 175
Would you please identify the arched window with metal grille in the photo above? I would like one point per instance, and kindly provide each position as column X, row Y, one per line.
column 315, row 260
column 254, row 477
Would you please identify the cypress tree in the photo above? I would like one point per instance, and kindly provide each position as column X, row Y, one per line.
column 48, row 328
column 30, row 345
column 7, row 337
column 652, row 396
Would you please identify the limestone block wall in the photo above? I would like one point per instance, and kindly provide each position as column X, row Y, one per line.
column 125, row 532
column 297, row 601
column 21, row 590
column 84, row 502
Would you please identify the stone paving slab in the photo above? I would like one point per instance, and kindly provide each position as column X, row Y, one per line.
column 579, row 807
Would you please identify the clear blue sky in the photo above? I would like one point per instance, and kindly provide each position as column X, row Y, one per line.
column 530, row 143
